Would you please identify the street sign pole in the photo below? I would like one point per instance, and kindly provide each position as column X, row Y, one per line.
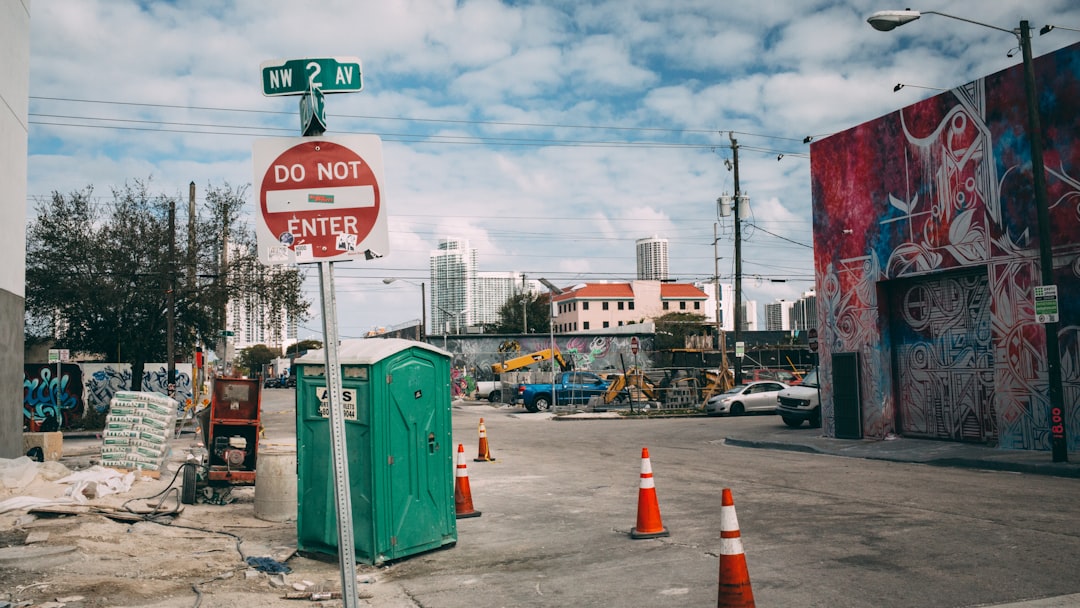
column 321, row 197
column 342, row 493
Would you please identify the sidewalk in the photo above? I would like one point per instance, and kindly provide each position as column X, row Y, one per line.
column 903, row 449
column 895, row 449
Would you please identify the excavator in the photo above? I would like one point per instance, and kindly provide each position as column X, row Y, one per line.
column 525, row 360
column 630, row 386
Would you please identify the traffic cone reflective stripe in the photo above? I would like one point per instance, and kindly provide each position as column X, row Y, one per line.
column 484, row 452
column 735, row 590
column 463, row 506
column 648, row 510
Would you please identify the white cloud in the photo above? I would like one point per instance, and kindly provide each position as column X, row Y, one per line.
column 568, row 188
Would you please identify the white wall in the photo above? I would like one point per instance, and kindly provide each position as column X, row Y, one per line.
column 14, row 103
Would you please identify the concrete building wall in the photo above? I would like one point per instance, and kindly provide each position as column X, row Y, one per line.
column 926, row 257
column 14, row 107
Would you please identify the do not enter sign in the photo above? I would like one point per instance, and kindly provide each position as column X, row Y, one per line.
column 320, row 199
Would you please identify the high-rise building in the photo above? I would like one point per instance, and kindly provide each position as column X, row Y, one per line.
column 462, row 296
column 453, row 268
column 804, row 312
column 490, row 291
column 252, row 320
column 652, row 259
column 778, row 315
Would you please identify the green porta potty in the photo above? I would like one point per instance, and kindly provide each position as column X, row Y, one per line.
column 396, row 397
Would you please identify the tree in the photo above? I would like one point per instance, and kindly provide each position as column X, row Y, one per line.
column 536, row 309
column 254, row 358
column 99, row 273
column 672, row 329
column 301, row 347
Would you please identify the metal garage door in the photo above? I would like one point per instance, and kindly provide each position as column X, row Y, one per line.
column 943, row 358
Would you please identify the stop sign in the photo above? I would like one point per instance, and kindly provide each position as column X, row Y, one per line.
column 320, row 199
column 634, row 345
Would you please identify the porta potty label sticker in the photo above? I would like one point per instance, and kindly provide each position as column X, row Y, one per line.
column 348, row 401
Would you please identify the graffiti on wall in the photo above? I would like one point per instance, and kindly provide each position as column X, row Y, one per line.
column 52, row 396
column 476, row 354
column 57, row 402
column 943, row 185
column 102, row 381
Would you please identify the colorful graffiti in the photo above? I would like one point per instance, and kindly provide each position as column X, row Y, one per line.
column 945, row 186
column 62, row 401
column 52, row 396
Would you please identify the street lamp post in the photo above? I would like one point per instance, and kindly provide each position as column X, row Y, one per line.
column 422, row 333
column 887, row 20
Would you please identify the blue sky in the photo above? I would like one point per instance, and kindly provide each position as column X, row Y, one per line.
column 552, row 135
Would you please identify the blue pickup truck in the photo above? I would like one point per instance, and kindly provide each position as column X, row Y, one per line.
column 570, row 388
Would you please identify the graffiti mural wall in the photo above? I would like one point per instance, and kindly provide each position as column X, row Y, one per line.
column 944, row 186
column 52, row 396
column 474, row 355
column 60, row 400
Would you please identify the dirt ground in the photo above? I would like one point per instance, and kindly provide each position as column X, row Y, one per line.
column 84, row 557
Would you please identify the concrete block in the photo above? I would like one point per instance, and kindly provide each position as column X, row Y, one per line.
column 51, row 444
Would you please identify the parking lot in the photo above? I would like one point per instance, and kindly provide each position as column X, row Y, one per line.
column 558, row 503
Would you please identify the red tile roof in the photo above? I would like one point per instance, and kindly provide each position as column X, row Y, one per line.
column 681, row 291
column 599, row 290
column 668, row 291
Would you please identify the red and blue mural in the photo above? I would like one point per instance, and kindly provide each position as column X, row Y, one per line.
column 926, row 259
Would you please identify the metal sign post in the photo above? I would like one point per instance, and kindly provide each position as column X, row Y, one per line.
column 320, row 201
column 342, row 493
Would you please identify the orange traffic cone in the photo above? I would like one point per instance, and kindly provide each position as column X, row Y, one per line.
column 735, row 591
column 648, row 511
column 463, row 506
column 485, row 451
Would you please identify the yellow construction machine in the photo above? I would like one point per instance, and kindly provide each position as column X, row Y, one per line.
column 526, row 360
column 630, row 386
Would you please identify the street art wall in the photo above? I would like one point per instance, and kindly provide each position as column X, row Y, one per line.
column 474, row 355
column 926, row 259
column 61, row 396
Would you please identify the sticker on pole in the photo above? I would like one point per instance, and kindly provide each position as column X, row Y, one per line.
column 1046, row 304
column 320, row 199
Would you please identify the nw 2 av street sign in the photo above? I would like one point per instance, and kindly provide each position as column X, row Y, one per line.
column 296, row 76
column 320, row 199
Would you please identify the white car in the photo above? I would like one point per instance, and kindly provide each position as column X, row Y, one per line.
column 753, row 397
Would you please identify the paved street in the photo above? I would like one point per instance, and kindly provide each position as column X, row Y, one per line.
column 819, row 530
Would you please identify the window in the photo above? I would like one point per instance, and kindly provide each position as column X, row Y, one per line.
column 682, row 305
column 697, row 305
column 585, row 325
column 620, row 305
column 584, row 306
column 606, row 324
column 631, row 306
column 665, row 305
column 605, row 306
column 620, row 323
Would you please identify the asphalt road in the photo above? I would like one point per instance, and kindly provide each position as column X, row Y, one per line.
column 560, row 499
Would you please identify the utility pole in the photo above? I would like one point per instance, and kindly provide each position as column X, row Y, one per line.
column 721, row 342
column 196, row 382
column 524, row 307
column 738, row 257
column 170, row 316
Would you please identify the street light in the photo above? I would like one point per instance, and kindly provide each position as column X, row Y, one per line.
column 423, row 306
column 887, row 20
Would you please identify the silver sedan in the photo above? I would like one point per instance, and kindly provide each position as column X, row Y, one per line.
column 753, row 397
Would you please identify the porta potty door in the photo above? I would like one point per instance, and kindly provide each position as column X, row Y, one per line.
column 420, row 471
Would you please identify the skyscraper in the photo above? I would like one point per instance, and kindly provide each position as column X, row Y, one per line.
column 453, row 268
column 652, row 259
column 461, row 296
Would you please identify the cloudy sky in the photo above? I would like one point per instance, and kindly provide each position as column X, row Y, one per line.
column 550, row 134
